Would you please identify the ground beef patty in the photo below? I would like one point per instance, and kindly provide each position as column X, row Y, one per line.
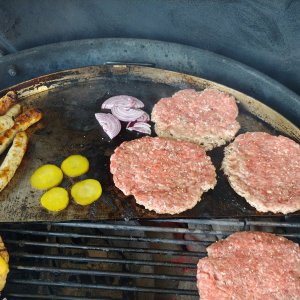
column 250, row 265
column 265, row 169
column 164, row 175
column 207, row 118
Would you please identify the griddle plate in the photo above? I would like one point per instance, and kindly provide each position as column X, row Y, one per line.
column 69, row 101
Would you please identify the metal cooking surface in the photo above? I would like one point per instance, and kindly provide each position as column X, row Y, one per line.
column 153, row 259
column 69, row 101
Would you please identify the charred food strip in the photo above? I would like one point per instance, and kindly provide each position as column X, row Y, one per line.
column 22, row 122
column 13, row 159
column 7, row 121
column 14, row 111
column 7, row 101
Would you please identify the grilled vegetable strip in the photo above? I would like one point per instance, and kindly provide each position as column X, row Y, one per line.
column 14, row 111
column 22, row 122
column 13, row 159
column 7, row 121
column 7, row 101
column 28, row 118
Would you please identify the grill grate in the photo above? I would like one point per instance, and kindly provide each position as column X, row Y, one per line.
column 154, row 259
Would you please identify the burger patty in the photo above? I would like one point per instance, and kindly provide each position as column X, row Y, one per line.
column 265, row 169
column 164, row 175
column 207, row 118
column 250, row 265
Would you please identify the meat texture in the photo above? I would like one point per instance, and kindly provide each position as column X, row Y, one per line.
column 265, row 169
column 207, row 118
column 164, row 175
column 250, row 265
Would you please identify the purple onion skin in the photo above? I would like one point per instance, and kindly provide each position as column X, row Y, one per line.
column 122, row 101
column 110, row 124
column 125, row 114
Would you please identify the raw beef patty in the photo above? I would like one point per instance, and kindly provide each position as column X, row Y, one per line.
column 250, row 265
column 265, row 169
column 207, row 118
column 164, row 175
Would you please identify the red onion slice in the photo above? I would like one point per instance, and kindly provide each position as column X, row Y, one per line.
column 126, row 114
column 122, row 101
column 140, row 127
column 110, row 124
column 129, row 124
column 144, row 117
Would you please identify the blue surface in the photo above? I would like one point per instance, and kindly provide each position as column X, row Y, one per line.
column 264, row 35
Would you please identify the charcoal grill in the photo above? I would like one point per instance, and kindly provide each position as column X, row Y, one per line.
column 131, row 258
column 150, row 259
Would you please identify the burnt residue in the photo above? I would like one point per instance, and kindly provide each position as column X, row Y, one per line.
column 69, row 127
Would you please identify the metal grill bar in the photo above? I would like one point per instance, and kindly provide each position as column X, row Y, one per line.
column 116, row 259
column 54, row 297
column 273, row 224
column 102, row 273
column 229, row 222
column 132, row 228
column 105, row 260
column 106, row 249
column 106, row 287
column 175, row 230
column 241, row 224
column 141, row 228
column 105, row 237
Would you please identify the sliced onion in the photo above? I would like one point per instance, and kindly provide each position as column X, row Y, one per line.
column 126, row 114
column 144, row 117
column 122, row 101
column 110, row 124
column 140, row 127
column 129, row 124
